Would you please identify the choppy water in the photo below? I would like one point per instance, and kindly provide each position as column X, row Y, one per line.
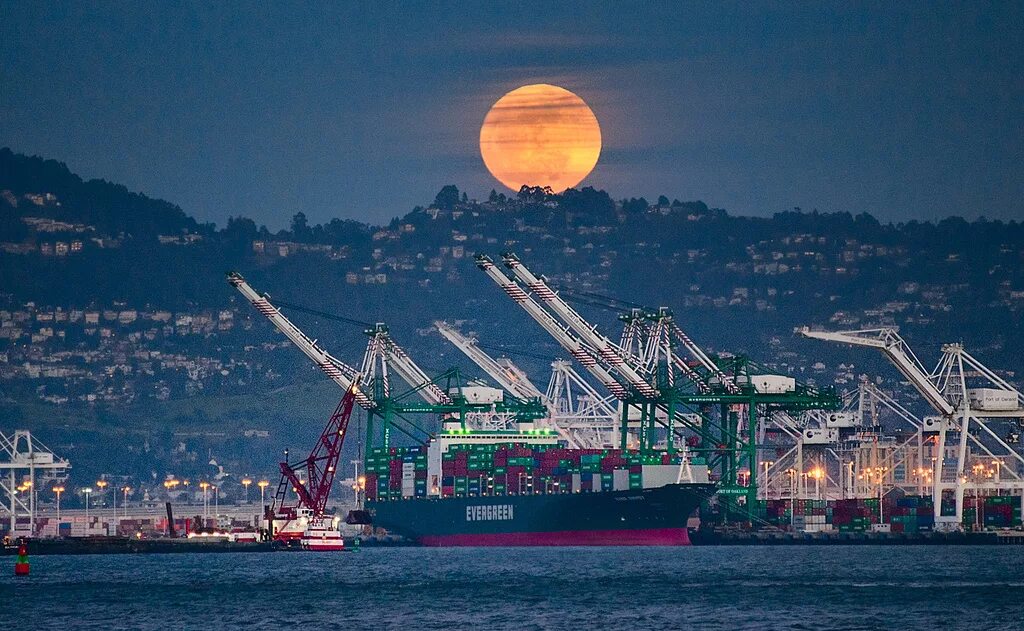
column 565, row 588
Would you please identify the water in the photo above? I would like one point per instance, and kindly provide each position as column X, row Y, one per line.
column 564, row 588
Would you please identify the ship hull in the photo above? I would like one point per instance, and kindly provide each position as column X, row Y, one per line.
column 641, row 517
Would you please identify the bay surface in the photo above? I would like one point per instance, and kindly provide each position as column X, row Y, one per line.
column 925, row 587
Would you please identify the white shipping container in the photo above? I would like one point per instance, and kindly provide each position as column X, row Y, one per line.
column 577, row 482
column 993, row 399
column 658, row 475
column 773, row 384
column 620, row 480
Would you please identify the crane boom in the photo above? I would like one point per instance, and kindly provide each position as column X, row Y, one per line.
column 509, row 377
column 899, row 354
column 698, row 353
column 608, row 350
column 571, row 343
column 408, row 370
column 322, row 463
column 341, row 373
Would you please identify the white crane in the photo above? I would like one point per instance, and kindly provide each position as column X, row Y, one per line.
column 508, row 375
column 23, row 460
column 963, row 410
column 579, row 414
column 386, row 352
column 586, row 356
column 341, row 373
column 595, row 352
column 383, row 355
column 609, row 351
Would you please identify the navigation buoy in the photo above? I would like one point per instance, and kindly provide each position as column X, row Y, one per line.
column 21, row 565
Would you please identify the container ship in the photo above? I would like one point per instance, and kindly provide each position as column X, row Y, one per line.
column 526, row 488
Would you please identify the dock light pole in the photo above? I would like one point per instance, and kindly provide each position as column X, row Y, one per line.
column 206, row 501
column 216, row 501
column 263, row 484
column 102, row 484
column 124, row 505
column 767, row 489
column 88, row 491
column 246, row 482
column 817, row 473
column 57, row 490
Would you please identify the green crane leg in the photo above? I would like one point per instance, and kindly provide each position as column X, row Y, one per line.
column 369, row 436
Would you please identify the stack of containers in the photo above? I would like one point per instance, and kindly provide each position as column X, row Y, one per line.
column 811, row 515
column 854, row 515
column 1002, row 511
column 910, row 514
column 396, row 473
column 507, row 469
column 778, row 512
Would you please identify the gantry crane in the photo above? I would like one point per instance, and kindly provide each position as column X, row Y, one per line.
column 634, row 377
column 372, row 385
column 507, row 374
column 964, row 411
column 24, row 462
column 341, row 373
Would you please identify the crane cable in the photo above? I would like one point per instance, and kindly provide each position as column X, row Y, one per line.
column 321, row 314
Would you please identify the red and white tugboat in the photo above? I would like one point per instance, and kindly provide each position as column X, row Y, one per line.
column 322, row 536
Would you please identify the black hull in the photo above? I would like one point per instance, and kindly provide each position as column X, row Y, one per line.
column 654, row 516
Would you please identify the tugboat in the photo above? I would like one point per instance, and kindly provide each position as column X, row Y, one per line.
column 321, row 536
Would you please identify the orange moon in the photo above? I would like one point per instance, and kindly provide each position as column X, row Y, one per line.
column 540, row 135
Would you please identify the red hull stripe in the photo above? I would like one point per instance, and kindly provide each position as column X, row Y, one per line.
column 653, row 537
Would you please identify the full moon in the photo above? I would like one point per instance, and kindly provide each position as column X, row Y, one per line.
column 540, row 135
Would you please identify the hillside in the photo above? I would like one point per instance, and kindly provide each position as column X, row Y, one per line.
column 115, row 315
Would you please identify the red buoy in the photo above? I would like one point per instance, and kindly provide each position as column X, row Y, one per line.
column 21, row 565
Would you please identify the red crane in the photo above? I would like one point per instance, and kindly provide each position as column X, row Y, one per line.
column 309, row 501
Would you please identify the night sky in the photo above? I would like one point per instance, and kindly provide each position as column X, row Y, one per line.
column 906, row 111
